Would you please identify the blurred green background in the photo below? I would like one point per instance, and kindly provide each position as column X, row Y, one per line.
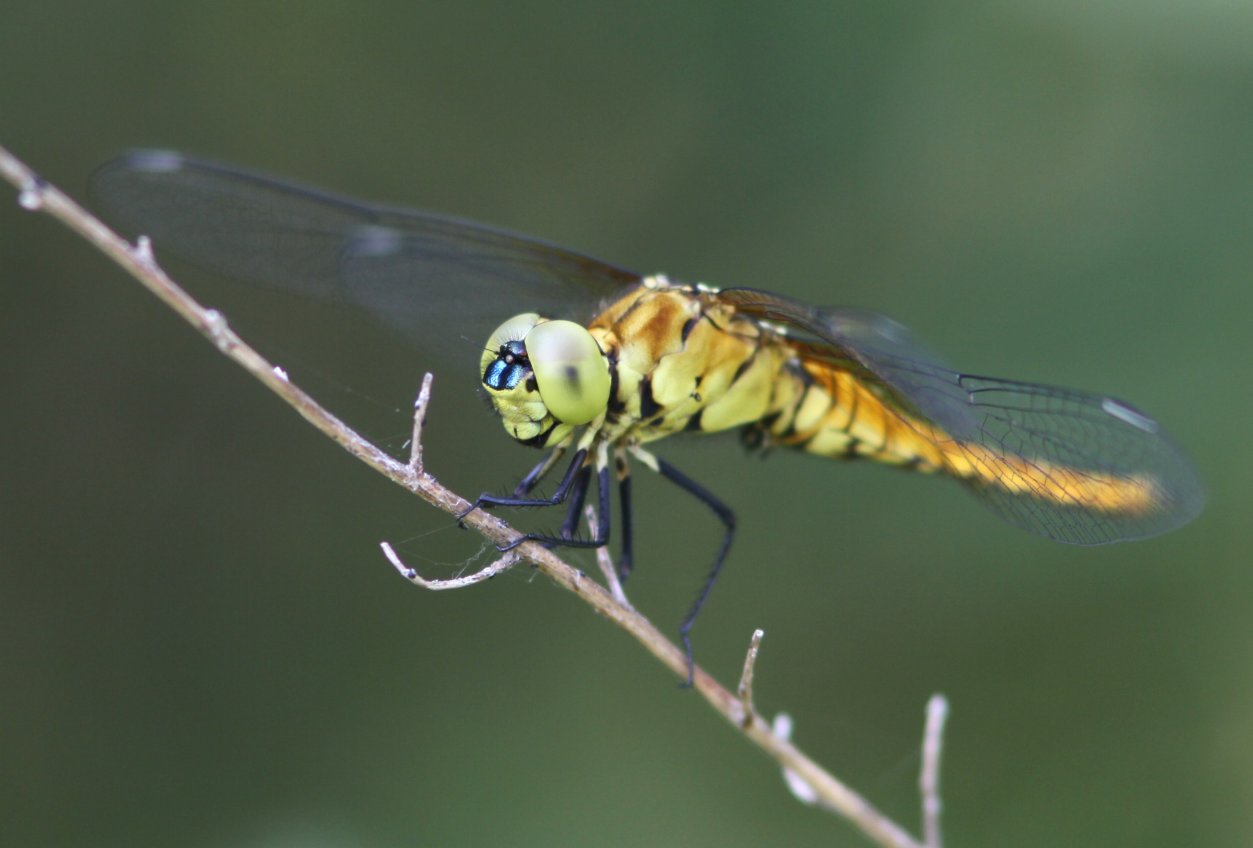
column 202, row 645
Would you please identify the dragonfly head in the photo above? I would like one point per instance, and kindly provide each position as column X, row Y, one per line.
column 544, row 377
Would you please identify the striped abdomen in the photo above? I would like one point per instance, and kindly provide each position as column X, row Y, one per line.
column 830, row 412
column 685, row 362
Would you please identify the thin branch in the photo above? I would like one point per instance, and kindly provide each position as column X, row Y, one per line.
column 745, row 689
column 501, row 565
column 37, row 195
column 419, row 421
column 605, row 561
column 929, row 779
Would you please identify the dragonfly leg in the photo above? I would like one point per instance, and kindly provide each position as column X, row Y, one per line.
column 625, row 560
column 539, row 472
column 559, row 496
column 566, row 539
column 577, row 498
column 727, row 517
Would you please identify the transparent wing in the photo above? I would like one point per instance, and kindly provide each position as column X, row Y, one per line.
column 1003, row 426
column 439, row 281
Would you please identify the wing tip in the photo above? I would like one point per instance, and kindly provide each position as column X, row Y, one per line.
column 1129, row 415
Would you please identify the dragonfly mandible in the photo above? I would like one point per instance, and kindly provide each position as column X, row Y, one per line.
column 599, row 361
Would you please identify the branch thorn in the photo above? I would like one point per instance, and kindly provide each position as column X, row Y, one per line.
column 745, row 689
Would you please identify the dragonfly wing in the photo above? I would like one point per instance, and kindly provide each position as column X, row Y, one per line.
column 433, row 278
column 874, row 346
column 1090, row 433
column 1012, row 431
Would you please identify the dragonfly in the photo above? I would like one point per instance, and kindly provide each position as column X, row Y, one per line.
column 591, row 363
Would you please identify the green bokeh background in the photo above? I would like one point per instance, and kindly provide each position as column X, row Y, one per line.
column 202, row 645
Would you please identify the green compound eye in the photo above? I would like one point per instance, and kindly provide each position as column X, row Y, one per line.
column 572, row 375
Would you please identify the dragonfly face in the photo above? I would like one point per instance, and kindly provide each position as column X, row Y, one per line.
column 544, row 378
column 648, row 358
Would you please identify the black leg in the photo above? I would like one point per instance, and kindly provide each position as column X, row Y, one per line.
column 577, row 498
column 625, row 557
column 539, row 472
column 563, row 541
column 559, row 496
column 727, row 517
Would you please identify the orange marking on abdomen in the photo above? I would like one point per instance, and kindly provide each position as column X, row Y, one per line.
column 838, row 416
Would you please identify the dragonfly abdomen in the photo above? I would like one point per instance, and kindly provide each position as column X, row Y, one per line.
column 836, row 415
column 831, row 413
column 685, row 361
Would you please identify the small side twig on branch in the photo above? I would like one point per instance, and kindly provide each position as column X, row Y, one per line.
column 806, row 778
column 745, row 689
column 499, row 566
column 929, row 779
column 604, row 561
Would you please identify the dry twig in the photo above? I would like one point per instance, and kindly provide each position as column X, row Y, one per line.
column 605, row 561
column 807, row 779
column 745, row 689
column 929, row 780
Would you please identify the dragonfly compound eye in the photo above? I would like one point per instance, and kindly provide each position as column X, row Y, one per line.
column 571, row 372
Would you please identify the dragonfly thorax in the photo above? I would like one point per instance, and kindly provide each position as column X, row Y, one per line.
column 544, row 377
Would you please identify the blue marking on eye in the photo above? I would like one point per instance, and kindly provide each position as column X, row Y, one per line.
column 494, row 372
column 502, row 375
column 513, row 375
